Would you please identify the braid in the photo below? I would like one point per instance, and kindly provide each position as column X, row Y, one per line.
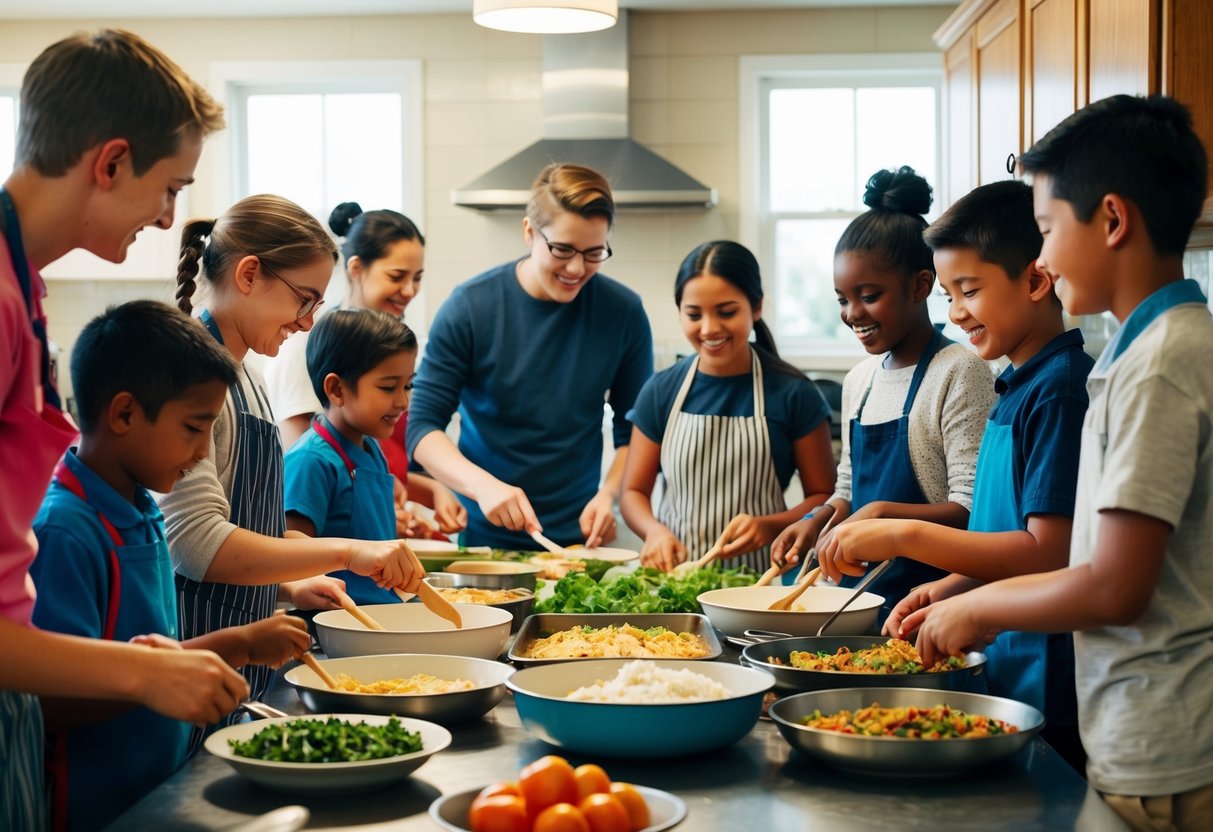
column 193, row 244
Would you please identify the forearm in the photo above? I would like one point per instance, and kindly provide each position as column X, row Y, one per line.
column 231, row 643
column 1066, row 600
column 613, row 481
column 422, row 488
column 781, row 520
column 53, row 664
column 984, row 556
column 948, row 514
column 439, row 456
column 637, row 509
column 250, row 559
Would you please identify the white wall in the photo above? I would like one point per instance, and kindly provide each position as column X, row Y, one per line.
column 482, row 105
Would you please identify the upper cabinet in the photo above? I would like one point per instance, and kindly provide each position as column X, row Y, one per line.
column 1015, row 68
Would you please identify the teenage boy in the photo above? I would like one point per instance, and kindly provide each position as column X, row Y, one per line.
column 1117, row 188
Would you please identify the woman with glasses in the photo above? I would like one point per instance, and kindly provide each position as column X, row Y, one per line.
column 528, row 352
column 266, row 263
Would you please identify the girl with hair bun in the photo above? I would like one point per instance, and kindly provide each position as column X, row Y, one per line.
column 726, row 427
column 384, row 255
column 266, row 263
column 527, row 353
column 916, row 410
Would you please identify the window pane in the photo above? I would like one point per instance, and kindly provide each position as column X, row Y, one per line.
column 364, row 152
column 804, row 279
column 812, row 161
column 285, row 153
column 895, row 127
column 8, row 134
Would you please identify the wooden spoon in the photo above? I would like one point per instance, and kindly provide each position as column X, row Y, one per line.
column 768, row 576
column 435, row 603
column 347, row 604
column 310, row 660
column 692, row 565
column 552, row 547
column 785, row 603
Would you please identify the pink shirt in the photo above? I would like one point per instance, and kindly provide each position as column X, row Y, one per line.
column 32, row 438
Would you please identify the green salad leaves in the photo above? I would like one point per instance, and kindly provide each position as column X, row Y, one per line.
column 328, row 741
column 646, row 590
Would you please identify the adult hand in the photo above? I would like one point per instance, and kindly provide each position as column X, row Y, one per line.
column 744, row 533
column 597, row 520
column 662, row 550
column 274, row 640
column 389, row 563
column 321, row 592
column 849, row 545
column 190, row 685
column 915, row 599
column 795, row 541
column 507, row 506
column 948, row 628
column 449, row 513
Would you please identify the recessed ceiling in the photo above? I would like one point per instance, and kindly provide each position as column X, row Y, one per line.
column 119, row 9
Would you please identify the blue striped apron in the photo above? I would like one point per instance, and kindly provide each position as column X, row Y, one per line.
column 881, row 469
column 257, row 505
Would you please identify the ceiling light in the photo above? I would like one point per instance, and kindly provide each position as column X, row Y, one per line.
column 546, row 17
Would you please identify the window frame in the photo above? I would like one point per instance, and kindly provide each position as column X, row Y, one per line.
column 760, row 75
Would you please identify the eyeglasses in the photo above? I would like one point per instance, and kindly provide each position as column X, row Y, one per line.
column 563, row 251
column 307, row 303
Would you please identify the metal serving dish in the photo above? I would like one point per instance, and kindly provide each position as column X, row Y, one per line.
column 788, row 679
column 544, row 624
column 520, row 607
column 496, row 574
column 456, row 706
column 894, row 756
column 733, row 610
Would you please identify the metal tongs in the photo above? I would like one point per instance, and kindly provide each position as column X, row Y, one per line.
column 859, row 588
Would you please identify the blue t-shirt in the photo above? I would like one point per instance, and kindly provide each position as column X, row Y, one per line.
column 529, row 378
column 794, row 406
column 111, row 764
column 318, row 487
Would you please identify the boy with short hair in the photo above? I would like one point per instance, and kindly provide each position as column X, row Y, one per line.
column 1117, row 188
column 109, row 130
column 986, row 247
column 149, row 383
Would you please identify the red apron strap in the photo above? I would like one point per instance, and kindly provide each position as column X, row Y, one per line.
column 327, row 435
column 65, row 477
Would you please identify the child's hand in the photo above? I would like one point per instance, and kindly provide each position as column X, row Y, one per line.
column 448, row 511
column 744, row 533
column 507, row 506
column 319, row 593
column 274, row 640
column 389, row 563
column 848, row 545
column 796, row 540
column 916, row 599
column 662, row 550
column 950, row 627
column 190, row 685
column 598, row 520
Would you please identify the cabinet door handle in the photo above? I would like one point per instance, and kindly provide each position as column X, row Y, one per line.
column 1011, row 163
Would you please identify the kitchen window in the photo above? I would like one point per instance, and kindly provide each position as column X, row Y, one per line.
column 814, row 129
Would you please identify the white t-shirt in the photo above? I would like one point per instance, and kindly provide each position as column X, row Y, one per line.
column 1145, row 690
column 287, row 381
column 947, row 419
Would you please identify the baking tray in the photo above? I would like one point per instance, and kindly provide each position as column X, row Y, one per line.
column 544, row 624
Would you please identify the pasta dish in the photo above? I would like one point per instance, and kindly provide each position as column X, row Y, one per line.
column 624, row 641
column 420, row 683
column 894, row 656
column 939, row 722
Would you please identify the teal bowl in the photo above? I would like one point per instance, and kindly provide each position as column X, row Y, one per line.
column 636, row 731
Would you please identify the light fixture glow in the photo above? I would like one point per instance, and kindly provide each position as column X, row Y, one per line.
column 546, row 17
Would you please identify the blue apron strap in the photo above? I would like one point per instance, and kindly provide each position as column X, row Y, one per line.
column 209, row 322
column 16, row 254
column 937, row 343
column 64, row 476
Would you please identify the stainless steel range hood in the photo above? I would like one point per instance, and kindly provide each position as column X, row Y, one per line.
column 585, row 121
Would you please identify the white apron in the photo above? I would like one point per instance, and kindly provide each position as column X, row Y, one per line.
column 716, row 467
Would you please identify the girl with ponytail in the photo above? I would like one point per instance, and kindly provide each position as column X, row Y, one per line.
column 726, row 427
column 915, row 411
column 266, row 263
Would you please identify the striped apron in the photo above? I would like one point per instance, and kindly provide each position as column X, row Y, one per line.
column 716, row 467
column 258, row 505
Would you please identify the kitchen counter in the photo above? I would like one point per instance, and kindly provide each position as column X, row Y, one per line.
column 758, row 784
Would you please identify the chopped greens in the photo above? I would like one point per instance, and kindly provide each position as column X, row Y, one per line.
column 328, row 741
column 645, row 590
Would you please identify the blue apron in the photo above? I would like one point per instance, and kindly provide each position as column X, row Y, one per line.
column 881, row 469
column 372, row 514
column 257, row 505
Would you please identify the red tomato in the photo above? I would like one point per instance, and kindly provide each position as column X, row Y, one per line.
column 605, row 813
column 633, row 802
column 591, row 779
column 499, row 813
column 546, row 781
column 561, row 817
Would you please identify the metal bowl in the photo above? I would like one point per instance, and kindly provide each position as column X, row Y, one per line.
column 411, row 628
column 458, row 706
column 733, row 610
column 497, row 574
column 436, row 555
column 636, row 730
column 520, row 607
column 897, row 757
column 969, row 678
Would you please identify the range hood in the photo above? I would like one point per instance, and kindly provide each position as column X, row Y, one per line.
column 585, row 121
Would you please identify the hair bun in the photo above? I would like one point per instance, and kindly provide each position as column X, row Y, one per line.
column 901, row 191
column 343, row 217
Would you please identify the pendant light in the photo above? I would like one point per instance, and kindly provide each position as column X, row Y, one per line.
column 546, row 17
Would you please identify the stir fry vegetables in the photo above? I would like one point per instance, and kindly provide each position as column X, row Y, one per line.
column 645, row 590
column 939, row 722
column 328, row 741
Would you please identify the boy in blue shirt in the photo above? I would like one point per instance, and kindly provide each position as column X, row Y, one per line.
column 337, row 479
column 986, row 247
column 1117, row 188
column 149, row 382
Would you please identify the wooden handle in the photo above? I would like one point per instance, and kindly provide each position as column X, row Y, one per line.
column 310, row 661
column 768, row 576
column 435, row 603
column 347, row 604
column 785, row 603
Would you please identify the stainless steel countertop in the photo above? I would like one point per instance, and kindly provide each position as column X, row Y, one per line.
column 758, row 784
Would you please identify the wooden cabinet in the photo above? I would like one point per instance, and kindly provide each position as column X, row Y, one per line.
column 961, row 132
column 999, row 90
column 1052, row 64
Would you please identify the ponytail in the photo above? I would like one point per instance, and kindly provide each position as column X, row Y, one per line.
column 193, row 243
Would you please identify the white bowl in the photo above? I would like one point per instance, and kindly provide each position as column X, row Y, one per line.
column 493, row 567
column 327, row 778
column 733, row 610
column 602, row 553
column 425, row 546
column 411, row 628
